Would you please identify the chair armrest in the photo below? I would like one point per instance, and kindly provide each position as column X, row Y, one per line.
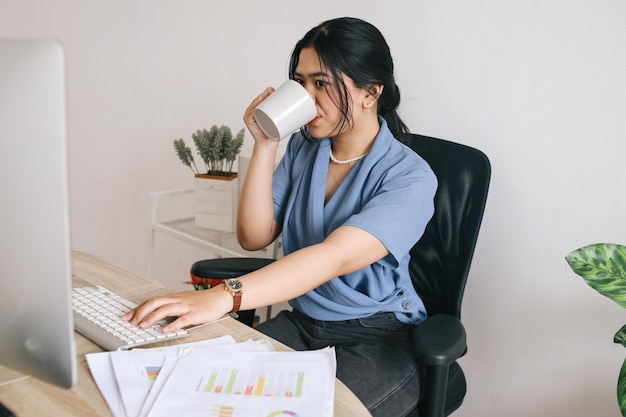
column 439, row 340
column 224, row 268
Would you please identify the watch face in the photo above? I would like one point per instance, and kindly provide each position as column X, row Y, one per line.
column 234, row 284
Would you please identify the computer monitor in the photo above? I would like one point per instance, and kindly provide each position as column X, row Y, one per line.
column 36, row 322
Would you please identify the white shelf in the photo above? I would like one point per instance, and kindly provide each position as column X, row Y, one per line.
column 221, row 244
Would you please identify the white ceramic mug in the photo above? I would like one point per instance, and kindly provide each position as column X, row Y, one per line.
column 286, row 110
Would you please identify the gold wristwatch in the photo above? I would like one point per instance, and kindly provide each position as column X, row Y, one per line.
column 234, row 287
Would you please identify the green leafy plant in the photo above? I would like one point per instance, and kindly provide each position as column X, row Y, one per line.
column 217, row 147
column 603, row 267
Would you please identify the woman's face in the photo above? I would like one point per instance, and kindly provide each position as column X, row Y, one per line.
column 318, row 82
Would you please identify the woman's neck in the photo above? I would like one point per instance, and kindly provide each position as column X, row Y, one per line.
column 356, row 141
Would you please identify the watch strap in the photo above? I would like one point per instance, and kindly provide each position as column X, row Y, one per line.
column 236, row 302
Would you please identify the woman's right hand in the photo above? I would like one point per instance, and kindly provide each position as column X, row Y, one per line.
column 249, row 120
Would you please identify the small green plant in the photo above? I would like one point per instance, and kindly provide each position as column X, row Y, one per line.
column 217, row 147
column 603, row 267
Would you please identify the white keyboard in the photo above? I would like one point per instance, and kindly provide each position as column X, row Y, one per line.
column 97, row 313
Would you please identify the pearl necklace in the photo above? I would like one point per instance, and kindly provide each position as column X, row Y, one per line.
column 346, row 161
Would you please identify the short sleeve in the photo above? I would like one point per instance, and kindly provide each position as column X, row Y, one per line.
column 288, row 172
column 281, row 187
column 399, row 208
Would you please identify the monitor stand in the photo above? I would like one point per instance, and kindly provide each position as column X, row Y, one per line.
column 5, row 412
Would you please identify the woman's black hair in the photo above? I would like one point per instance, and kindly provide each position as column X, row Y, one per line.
column 357, row 49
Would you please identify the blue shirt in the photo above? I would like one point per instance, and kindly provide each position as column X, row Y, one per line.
column 389, row 194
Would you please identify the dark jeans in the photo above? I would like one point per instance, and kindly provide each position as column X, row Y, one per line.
column 374, row 357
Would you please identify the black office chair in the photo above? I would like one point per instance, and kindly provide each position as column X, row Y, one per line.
column 440, row 264
column 439, row 267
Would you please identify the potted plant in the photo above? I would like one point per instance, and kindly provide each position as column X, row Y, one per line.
column 603, row 267
column 216, row 186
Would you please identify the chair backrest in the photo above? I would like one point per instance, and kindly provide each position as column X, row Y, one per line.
column 440, row 261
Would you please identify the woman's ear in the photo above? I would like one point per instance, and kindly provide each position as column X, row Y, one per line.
column 373, row 93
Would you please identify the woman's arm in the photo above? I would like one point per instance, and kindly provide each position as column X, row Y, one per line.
column 256, row 227
column 346, row 250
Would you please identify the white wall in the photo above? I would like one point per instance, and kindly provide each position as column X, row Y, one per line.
column 540, row 86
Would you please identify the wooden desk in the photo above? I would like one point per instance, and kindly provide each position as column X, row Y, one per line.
column 28, row 397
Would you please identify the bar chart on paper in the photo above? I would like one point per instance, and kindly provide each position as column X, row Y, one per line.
column 227, row 411
column 279, row 383
column 250, row 384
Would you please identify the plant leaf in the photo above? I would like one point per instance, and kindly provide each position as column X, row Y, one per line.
column 621, row 389
column 620, row 336
column 603, row 267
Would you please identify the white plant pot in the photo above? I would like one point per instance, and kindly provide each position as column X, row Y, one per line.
column 216, row 201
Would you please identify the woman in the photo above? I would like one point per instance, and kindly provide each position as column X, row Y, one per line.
column 350, row 200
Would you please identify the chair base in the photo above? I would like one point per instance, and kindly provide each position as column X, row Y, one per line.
column 456, row 387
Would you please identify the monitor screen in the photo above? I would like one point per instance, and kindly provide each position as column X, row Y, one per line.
column 36, row 325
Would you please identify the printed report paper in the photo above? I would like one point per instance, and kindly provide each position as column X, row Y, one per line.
column 250, row 384
column 216, row 377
